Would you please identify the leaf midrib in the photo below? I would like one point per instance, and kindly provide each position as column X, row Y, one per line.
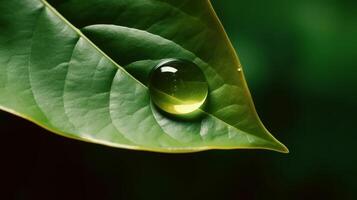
column 131, row 76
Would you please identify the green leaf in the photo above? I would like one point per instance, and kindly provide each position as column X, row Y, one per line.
column 79, row 69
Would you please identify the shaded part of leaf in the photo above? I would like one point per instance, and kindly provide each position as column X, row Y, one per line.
column 127, row 45
column 142, row 69
column 137, row 45
column 179, row 24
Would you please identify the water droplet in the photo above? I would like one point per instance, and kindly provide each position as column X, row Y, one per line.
column 239, row 69
column 178, row 87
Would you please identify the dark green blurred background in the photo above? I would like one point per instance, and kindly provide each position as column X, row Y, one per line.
column 300, row 60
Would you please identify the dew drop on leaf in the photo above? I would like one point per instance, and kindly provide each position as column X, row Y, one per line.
column 178, row 87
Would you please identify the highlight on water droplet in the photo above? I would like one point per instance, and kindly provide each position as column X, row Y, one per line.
column 178, row 87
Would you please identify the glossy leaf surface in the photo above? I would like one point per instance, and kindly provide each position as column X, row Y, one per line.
column 79, row 68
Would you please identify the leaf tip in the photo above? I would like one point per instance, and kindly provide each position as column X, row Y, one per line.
column 279, row 147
